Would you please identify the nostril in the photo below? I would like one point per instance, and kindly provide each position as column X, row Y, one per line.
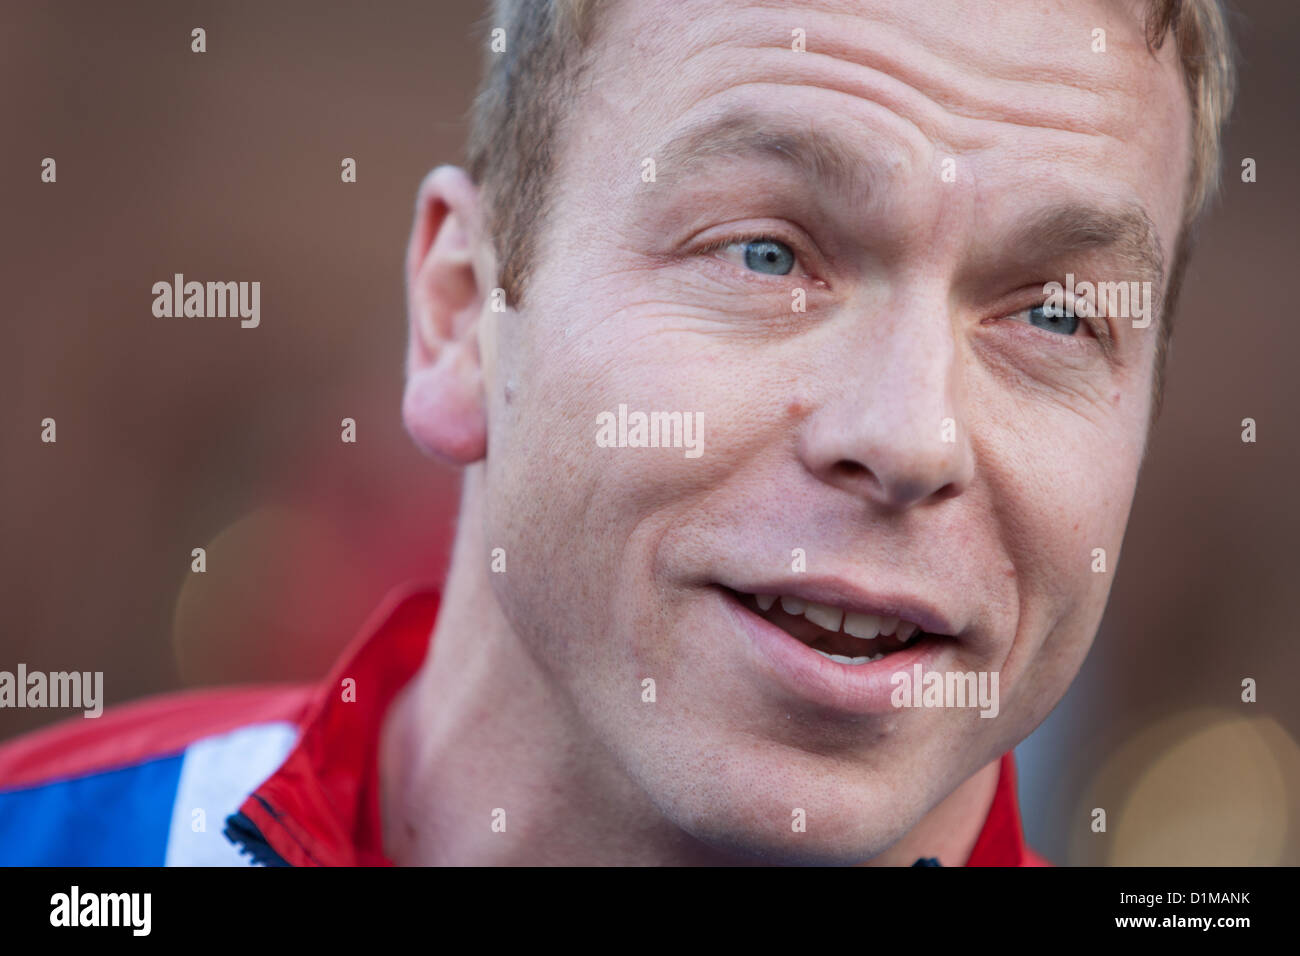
column 852, row 469
column 951, row 490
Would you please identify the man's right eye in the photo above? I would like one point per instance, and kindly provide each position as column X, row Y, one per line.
column 760, row 254
column 1039, row 317
column 769, row 256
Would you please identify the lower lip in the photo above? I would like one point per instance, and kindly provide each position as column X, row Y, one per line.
column 848, row 688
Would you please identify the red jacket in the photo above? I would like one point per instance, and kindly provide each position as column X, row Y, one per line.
column 277, row 774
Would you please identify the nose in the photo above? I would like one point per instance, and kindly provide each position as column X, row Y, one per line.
column 891, row 430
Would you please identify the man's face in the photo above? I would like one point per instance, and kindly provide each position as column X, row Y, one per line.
column 933, row 448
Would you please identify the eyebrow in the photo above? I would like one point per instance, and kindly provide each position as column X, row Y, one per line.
column 1125, row 231
column 743, row 133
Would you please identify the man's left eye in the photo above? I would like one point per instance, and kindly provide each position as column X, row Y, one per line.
column 768, row 256
column 1040, row 317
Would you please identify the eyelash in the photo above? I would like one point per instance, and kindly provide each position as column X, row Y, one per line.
column 1085, row 340
column 742, row 238
column 1026, row 309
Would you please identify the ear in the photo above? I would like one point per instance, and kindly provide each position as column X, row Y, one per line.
column 444, row 407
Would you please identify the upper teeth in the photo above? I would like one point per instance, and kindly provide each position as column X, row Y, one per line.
column 864, row 626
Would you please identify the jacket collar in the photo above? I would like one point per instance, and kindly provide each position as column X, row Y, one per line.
column 321, row 807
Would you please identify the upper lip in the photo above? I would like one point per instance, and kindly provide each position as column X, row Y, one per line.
column 846, row 595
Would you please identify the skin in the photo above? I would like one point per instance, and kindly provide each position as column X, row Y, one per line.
column 821, row 431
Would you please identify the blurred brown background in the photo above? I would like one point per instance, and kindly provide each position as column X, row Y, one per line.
column 183, row 433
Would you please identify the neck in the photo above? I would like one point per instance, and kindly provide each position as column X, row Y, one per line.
column 481, row 729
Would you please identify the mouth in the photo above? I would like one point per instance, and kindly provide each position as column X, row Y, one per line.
column 843, row 635
column 837, row 647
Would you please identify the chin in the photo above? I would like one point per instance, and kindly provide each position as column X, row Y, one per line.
column 849, row 815
column 846, row 841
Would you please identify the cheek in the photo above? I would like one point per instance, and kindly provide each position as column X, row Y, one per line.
column 1063, row 487
column 610, row 418
column 577, row 494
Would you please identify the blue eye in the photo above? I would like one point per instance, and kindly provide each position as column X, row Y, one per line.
column 1064, row 324
column 769, row 256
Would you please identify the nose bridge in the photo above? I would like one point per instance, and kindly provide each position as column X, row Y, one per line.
column 894, row 431
column 905, row 363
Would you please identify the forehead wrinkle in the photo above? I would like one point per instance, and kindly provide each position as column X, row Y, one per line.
column 941, row 116
column 895, row 31
column 945, row 88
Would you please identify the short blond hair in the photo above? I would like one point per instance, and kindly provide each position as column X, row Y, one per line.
column 526, row 89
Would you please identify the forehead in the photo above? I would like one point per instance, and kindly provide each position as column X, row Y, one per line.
column 1019, row 95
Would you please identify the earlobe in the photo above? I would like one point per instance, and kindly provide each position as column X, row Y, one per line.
column 443, row 407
